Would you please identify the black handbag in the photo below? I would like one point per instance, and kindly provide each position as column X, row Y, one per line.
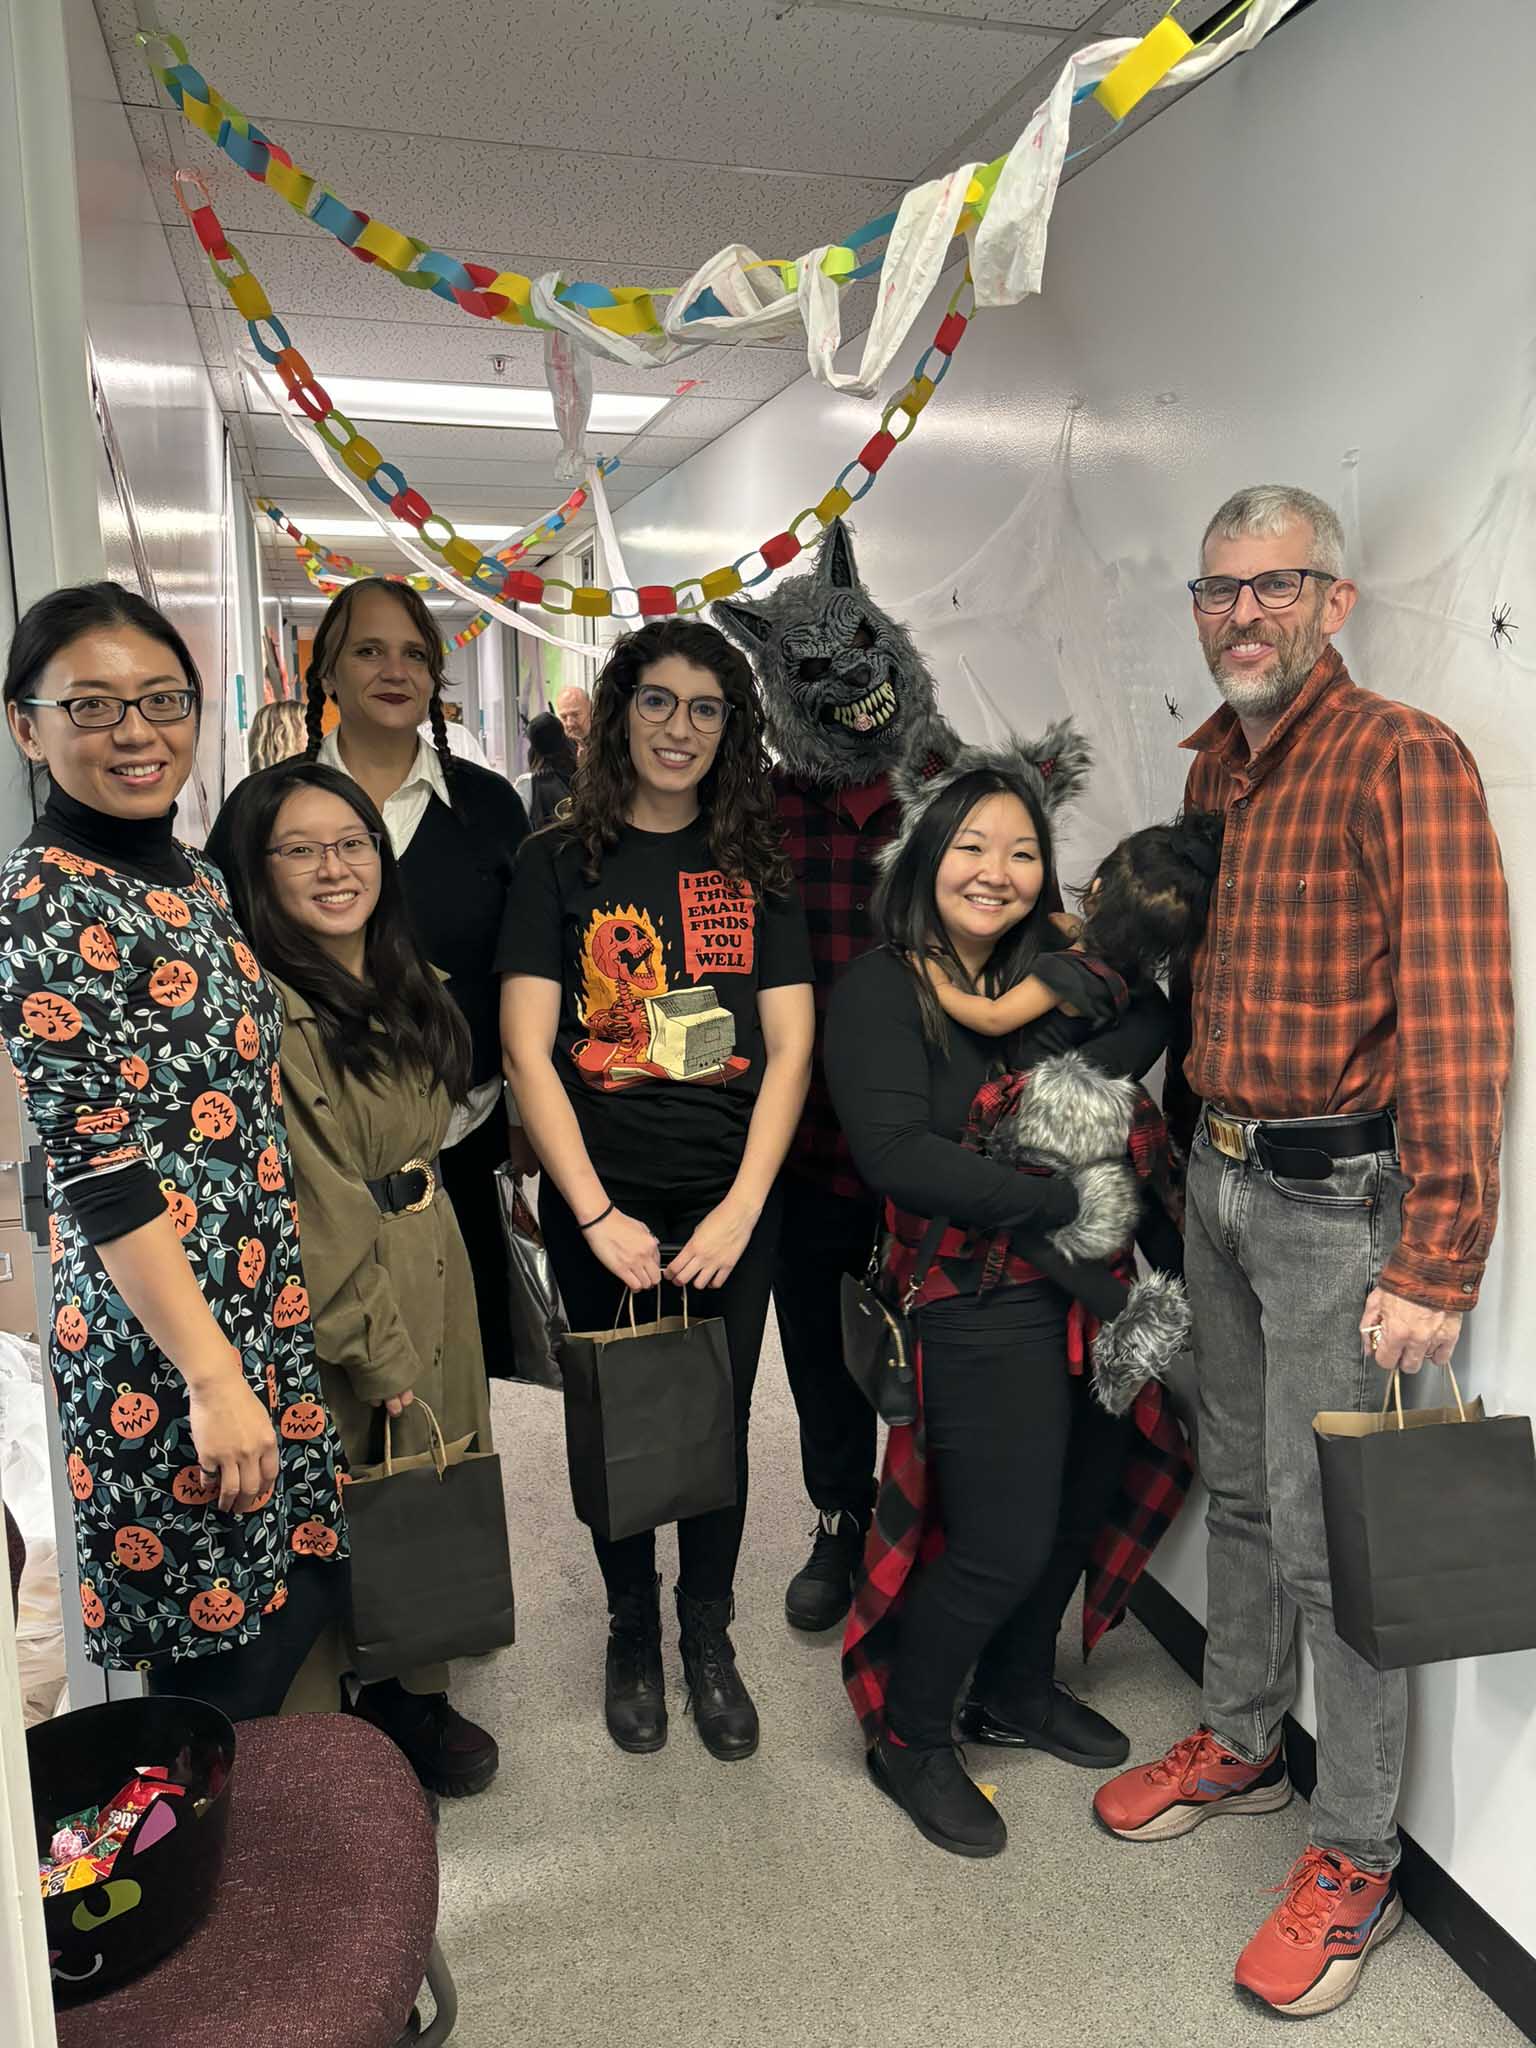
column 879, row 1345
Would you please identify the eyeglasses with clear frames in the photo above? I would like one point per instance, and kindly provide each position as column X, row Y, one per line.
column 307, row 856
column 97, row 714
column 1274, row 590
column 656, row 705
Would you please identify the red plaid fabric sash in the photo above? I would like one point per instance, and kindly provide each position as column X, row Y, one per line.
column 906, row 1531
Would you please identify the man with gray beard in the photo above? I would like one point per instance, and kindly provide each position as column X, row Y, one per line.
column 1349, row 1041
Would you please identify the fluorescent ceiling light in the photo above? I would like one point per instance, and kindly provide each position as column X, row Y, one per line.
column 468, row 405
column 434, row 604
column 352, row 529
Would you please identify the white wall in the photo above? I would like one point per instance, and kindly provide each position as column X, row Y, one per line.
column 1315, row 270
column 168, row 426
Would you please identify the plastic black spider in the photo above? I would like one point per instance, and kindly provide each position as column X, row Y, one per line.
column 1503, row 627
column 1173, row 706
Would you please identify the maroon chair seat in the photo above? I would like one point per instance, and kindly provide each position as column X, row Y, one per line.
column 325, row 1917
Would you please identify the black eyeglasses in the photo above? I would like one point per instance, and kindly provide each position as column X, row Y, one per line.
column 307, row 856
column 97, row 714
column 656, row 705
column 1275, row 589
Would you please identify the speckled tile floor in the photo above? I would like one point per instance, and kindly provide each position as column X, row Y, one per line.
column 598, row 1900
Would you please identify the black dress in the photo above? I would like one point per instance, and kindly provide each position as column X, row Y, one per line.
column 456, row 873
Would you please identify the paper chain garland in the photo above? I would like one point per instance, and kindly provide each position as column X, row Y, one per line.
column 388, row 484
column 623, row 319
column 326, row 569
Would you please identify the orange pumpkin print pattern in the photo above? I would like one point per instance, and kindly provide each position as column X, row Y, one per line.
column 170, row 908
column 98, row 950
column 173, row 983
column 69, row 1327
column 186, row 1084
column 132, row 1414
column 218, row 1609
column 138, row 1549
column 52, row 1017
column 214, row 1115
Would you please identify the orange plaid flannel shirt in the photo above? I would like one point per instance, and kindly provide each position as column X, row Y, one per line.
column 1357, row 954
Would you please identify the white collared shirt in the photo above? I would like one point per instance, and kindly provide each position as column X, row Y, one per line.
column 403, row 811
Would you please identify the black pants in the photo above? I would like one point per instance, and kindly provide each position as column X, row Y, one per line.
column 251, row 1680
column 1024, row 1464
column 469, row 1170
column 708, row 1545
column 822, row 1237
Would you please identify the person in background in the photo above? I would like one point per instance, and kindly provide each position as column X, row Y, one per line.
column 200, row 1455
column 375, row 1056
column 552, row 760
column 1346, row 1090
column 573, row 707
column 461, row 741
column 664, row 877
column 454, row 829
column 277, row 733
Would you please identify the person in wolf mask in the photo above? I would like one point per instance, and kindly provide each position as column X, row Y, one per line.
column 848, row 700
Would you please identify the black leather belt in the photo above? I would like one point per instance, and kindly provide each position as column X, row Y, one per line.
column 1308, row 1148
column 410, row 1190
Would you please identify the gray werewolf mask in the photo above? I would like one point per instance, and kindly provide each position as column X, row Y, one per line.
column 846, row 695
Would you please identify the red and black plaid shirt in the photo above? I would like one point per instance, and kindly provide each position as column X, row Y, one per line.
column 907, row 1529
column 831, row 840
column 1357, row 955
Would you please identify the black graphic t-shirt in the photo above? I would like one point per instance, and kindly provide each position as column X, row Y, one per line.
column 660, row 962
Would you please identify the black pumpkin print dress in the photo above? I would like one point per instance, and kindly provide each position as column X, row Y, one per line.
column 146, row 1041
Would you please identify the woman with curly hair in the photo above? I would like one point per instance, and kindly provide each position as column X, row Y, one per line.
column 657, row 1024
column 454, row 828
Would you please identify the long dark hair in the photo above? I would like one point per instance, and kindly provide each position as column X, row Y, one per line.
column 420, row 1025
column 331, row 637
column 57, row 620
column 905, row 906
column 1147, row 905
column 735, row 797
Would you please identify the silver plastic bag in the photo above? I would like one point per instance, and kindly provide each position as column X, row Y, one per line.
column 538, row 1320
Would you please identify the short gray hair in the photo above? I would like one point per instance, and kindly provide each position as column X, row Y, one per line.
column 1267, row 509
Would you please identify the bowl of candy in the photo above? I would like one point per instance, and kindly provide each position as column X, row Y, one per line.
column 131, row 1803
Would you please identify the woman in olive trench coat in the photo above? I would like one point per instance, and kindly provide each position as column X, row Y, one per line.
column 391, row 1290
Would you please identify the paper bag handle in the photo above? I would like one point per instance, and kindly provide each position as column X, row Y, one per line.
column 438, row 1448
column 1394, row 1393
column 629, row 1302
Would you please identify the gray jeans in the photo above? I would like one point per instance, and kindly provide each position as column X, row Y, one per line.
column 1278, row 1272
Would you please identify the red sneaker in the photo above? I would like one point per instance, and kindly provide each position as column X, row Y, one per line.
column 1308, row 1955
column 1198, row 1777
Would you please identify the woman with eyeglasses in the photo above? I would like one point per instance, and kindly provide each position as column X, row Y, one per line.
column 145, row 1037
column 375, row 1058
column 455, row 828
column 657, row 1022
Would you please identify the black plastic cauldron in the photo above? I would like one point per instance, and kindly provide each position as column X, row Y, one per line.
column 107, row 1933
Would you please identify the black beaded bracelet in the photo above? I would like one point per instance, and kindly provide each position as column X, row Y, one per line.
column 597, row 1219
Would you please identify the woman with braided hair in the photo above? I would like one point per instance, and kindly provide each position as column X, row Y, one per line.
column 454, row 828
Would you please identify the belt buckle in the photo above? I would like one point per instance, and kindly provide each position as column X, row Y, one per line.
column 420, row 1166
column 1227, row 1136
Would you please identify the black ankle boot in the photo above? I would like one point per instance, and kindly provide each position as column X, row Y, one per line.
column 722, row 1706
column 451, row 1756
column 942, row 1801
column 820, row 1592
column 1051, row 1718
column 634, row 1689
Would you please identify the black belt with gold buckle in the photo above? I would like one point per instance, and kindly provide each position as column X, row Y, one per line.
column 408, row 1191
column 1307, row 1148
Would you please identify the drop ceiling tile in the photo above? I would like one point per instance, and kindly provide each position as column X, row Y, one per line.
column 746, row 82
column 981, row 16
column 511, row 444
column 493, row 473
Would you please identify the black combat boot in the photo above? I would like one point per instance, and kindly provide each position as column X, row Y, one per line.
column 634, row 1690
column 722, row 1706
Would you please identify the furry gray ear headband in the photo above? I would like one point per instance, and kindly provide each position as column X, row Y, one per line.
column 1053, row 768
